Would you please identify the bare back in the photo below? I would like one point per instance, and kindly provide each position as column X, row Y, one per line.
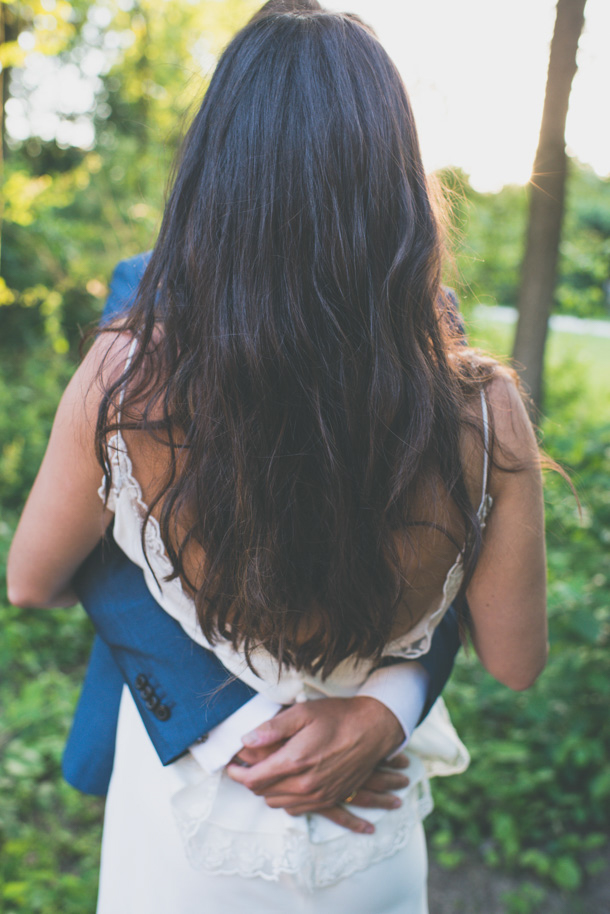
column 430, row 552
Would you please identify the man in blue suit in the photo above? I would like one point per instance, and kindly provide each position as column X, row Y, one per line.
column 181, row 690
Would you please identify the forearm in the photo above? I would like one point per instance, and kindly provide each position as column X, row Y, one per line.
column 403, row 688
column 65, row 598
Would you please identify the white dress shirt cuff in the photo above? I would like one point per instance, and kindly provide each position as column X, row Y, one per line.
column 224, row 740
column 403, row 688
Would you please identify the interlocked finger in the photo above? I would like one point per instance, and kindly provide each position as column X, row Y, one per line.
column 296, row 805
column 371, row 799
column 398, row 761
column 340, row 816
column 380, row 781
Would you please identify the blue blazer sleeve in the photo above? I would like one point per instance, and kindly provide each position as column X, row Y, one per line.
column 180, row 689
column 439, row 660
column 123, row 286
column 89, row 753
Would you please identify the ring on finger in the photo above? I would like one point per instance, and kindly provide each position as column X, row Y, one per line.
column 350, row 796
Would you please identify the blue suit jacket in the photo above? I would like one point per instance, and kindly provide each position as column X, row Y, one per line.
column 181, row 690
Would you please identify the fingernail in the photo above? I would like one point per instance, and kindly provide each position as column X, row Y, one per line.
column 251, row 739
column 368, row 829
column 396, row 802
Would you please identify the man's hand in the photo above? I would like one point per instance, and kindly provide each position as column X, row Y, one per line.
column 375, row 792
column 326, row 750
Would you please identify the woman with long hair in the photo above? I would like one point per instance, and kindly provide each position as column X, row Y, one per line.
column 306, row 460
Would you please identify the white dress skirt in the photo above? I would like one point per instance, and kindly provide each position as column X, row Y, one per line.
column 145, row 867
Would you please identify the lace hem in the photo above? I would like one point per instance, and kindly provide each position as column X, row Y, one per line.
column 227, row 831
column 303, row 852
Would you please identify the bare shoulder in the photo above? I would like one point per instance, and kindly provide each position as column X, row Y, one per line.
column 107, row 357
column 515, row 444
column 100, row 368
column 108, row 354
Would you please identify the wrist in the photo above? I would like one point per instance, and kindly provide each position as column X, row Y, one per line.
column 380, row 724
column 403, row 689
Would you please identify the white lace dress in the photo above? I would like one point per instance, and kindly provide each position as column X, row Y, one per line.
column 179, row 841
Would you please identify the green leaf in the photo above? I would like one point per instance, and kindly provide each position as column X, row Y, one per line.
column 14, row 891
column 536, row 860
column 566, row 873
column 449, row 859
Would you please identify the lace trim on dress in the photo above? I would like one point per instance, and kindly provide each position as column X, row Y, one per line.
column 122, row 479
column 317, row 853
column 407, row 647
column 231, row 853
column 304, row 848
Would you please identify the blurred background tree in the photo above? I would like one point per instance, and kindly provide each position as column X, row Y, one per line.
column 127, row 75
column 547, row 195
column 489, row 235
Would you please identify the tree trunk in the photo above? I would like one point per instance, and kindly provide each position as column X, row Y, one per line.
column 547, row 193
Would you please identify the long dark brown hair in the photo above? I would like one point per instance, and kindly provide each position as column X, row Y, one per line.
column 309, row 378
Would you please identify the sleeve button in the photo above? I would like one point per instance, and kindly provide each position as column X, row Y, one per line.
column 141, row 681
column 163, row 713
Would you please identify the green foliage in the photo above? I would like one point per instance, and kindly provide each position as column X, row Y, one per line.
column 489, row 230
column 30, row 389
column 537, row 795
column 585, row 249
column 525, row 900
column 49, row 834
column 70, row 215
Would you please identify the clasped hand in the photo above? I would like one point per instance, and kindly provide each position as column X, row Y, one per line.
column 313, row 755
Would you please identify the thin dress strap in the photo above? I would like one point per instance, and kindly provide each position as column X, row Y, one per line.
column 485, row 412
column 118, row 456
column 132, row 349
